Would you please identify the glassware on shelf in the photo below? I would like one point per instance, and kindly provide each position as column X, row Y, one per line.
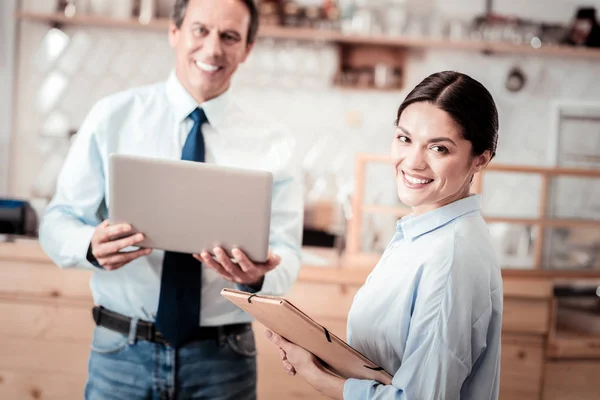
column 332, row 18
column 385, row 76
column 457, row 29
column 395, row 19
column 313, row 15
column 291, row 14
column 147, row 11
column 269, row 13
column 122, row 9
column 417, row 25
column 100, row 7
column 364, row 20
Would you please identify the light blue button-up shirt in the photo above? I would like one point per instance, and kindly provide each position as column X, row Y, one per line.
column 430, row 313
column 152, row 121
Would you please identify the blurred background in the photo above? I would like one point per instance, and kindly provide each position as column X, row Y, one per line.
column 334, row 72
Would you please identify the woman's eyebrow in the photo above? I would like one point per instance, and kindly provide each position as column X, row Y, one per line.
column 441, row 139
column 433, row 140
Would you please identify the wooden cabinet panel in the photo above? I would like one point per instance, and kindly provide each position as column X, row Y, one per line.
column 570, row 345
column 34, row 355
column 571, row 380
column 19, row 385
column 526, row 316
column 521, row 367
column 49, row 322
column 43, row 280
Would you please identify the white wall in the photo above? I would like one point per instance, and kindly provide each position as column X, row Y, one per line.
column 7, row 39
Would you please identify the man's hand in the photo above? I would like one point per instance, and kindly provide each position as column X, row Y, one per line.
column 108, row 241
column 244, row 272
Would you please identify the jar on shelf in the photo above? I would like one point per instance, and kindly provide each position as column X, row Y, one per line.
column 122, row 9
column 291, row 14
column 269, row 13
column 332, row 18
column 313, row 16
column 100, row 7
column 71, row 8
column 147, row 11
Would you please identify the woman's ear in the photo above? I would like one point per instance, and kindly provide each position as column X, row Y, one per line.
column 481, row 161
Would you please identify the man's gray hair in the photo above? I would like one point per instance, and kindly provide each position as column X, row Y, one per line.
column 180, row 8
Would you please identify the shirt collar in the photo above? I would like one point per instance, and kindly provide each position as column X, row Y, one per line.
column 183, row 103
column 411, row 227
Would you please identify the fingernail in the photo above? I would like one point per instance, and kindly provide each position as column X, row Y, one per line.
column 236, row 252
column 139, row 236
column 268, row 334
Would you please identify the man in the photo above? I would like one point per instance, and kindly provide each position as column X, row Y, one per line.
column 141, row 348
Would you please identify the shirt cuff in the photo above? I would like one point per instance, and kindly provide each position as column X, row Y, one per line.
column 91, row 258
column 278, row 281
column 81, row 247
column 357, row 388
column 251, row 288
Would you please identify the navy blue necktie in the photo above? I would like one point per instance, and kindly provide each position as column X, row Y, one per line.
column 178, row 314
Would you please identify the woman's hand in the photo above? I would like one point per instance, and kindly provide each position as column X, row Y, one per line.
column 294, row 358
column 297, row 360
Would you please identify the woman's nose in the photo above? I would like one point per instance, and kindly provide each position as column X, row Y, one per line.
column 415, row 159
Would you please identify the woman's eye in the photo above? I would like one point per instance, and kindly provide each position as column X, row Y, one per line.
column 439, row 149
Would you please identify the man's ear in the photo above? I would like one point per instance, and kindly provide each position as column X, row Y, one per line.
column 481, row 161
column 249, row 48
column 173, row 34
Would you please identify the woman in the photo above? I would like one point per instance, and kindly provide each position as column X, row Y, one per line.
column 430, row 312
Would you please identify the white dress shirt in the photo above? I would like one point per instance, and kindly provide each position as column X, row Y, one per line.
column 430, row 313
column 152, row 121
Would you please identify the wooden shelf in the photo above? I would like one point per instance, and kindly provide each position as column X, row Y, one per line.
column 91, row 20
column 277, row 32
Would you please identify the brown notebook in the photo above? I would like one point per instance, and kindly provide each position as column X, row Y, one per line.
column 283, row 318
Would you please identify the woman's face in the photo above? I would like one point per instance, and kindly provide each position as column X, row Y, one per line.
column 432, row 161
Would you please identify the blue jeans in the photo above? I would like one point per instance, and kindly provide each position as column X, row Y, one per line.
column 124, row 369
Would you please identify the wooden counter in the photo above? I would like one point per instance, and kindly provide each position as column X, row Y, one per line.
column 46, row 328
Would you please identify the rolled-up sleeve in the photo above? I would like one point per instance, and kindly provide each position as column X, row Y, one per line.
column 285, row 239
column 69, row 221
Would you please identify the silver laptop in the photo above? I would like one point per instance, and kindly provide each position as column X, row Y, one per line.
column 191, row 207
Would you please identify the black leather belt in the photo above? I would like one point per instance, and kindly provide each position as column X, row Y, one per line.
column 146, row 330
